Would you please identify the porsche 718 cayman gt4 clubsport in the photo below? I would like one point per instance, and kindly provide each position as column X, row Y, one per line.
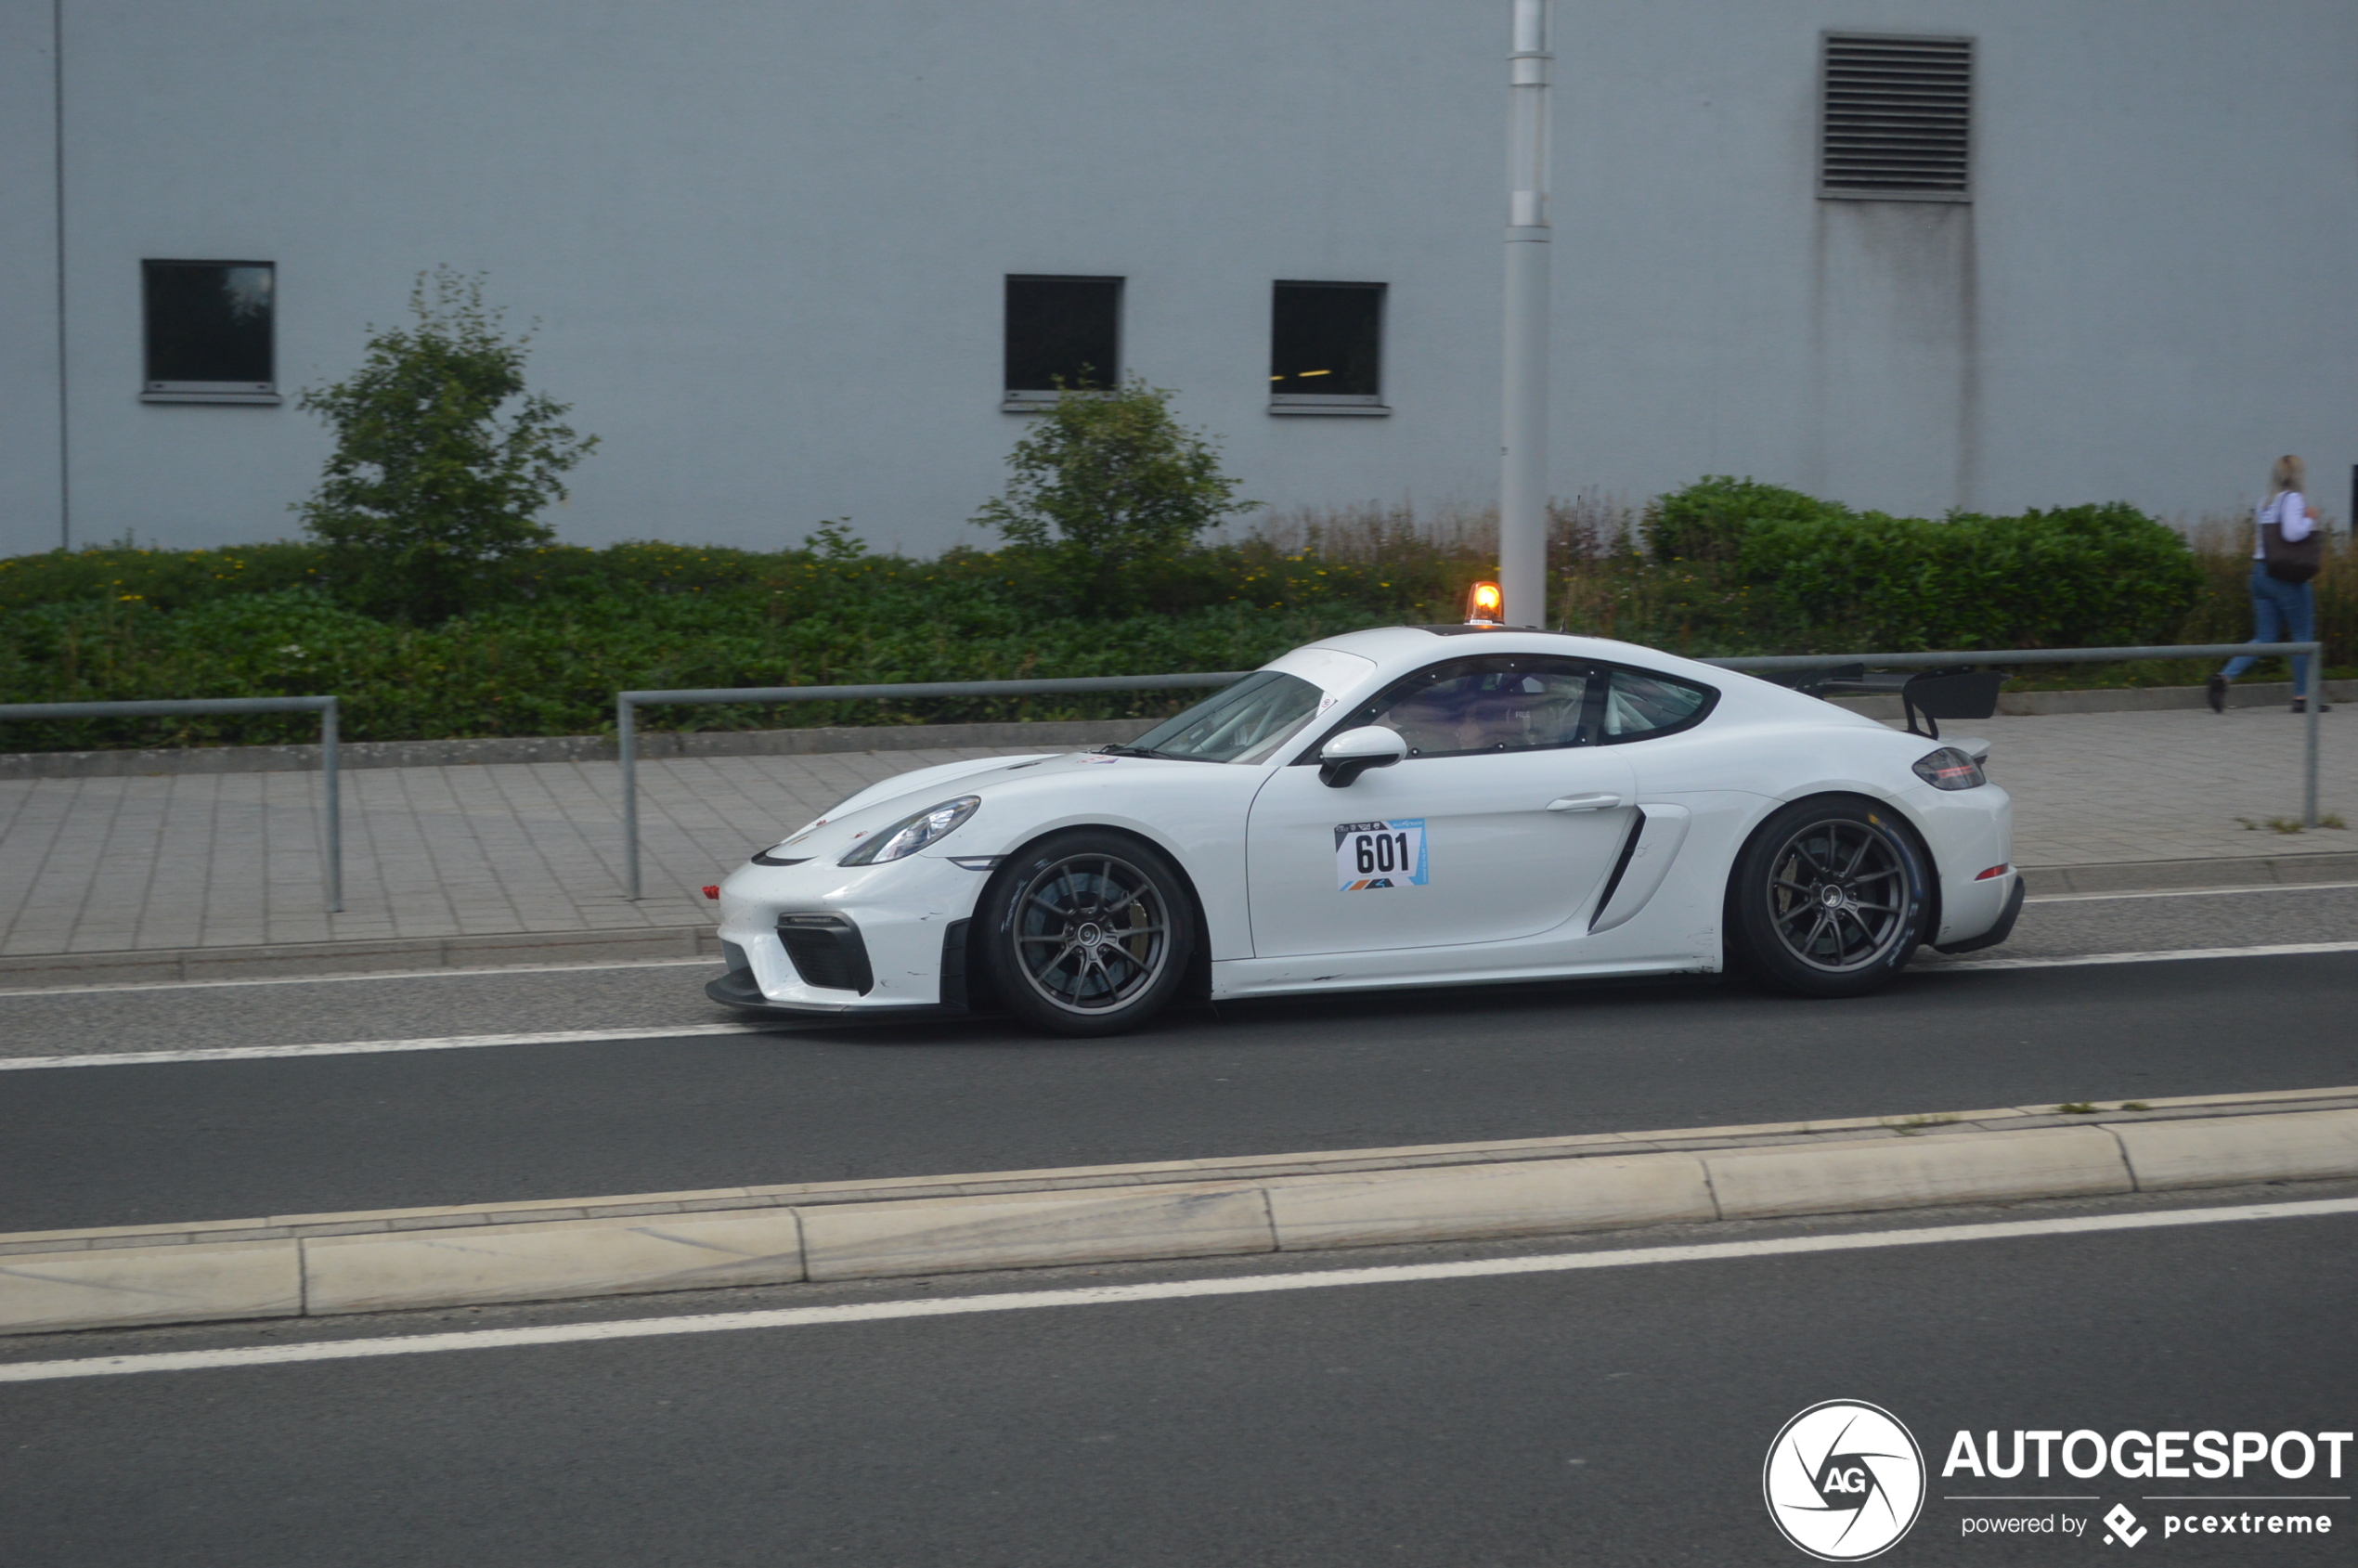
column 1406, row 806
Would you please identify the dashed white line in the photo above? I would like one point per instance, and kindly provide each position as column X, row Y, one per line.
column 2190, row 892
column 372, row 1047
column 1111, row 1295
column 2072, row 961
column 370, row 975
column 673, row 1031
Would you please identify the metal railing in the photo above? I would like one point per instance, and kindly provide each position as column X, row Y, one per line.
column 626, row 705
column 1986, row 657
column 324, row 706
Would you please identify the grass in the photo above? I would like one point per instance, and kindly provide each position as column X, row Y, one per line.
column 2293, row 825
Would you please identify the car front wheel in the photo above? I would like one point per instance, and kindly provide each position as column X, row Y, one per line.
column 1830, row 897
column 1088, row 933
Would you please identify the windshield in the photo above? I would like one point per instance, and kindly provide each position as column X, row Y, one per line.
column 1244, row 723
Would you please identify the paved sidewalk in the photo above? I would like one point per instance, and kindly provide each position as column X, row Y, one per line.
column 204, row 860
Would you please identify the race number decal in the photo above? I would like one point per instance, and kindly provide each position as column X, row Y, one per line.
column 1373, row 855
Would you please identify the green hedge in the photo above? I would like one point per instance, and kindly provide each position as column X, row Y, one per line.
column 102, row 626
column 1723, row 566
column 1730, row 567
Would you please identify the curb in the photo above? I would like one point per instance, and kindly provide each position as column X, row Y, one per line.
column 490, row 953
column 463, row 1255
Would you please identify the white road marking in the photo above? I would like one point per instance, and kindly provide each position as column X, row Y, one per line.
column 684, row 962
column 2191, row 892
column 1110, row 1295
column 672, row 1031
column 371, row 975
column 370, row 1048
column 2279, row 949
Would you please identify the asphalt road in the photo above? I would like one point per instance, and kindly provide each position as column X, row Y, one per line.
column 226, row 1139
column 651, row 995
column 1608, row 1416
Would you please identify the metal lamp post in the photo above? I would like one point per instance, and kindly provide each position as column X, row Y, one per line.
column 1522, row 463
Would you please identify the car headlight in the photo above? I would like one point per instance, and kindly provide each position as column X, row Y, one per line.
column 1951, row 768
column 912, row 834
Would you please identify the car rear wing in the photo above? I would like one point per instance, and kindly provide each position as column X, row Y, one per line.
column 1958, row 692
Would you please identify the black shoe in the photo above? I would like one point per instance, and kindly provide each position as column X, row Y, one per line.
column 2218, row 690
column 2301, row 704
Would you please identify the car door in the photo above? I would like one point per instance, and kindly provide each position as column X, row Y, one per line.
column 1503, row 820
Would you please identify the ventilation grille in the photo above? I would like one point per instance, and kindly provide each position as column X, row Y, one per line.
column 827, row 952
column 1898, row 118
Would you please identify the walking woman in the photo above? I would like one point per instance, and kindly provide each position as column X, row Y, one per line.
column 2284, row 604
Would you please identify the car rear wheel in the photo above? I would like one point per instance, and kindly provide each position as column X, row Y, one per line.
column 1830, row 898
column 1088, row 933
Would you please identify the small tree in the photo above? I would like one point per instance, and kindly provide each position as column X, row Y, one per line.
column 1109, row 482
column 443, row 460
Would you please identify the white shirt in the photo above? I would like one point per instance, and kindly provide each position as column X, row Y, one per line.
column 2288, row 510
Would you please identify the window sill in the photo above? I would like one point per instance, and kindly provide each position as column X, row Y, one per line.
column 262, row 399
column 1042, row 402
column 1347, row 410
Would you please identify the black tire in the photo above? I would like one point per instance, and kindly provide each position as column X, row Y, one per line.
column 1056, row 959
column 1830, row 898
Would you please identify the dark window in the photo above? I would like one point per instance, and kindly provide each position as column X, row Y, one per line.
column 1326, row 343
column 1898, row 120
column 1641, row 705
column 1496, row 702
column 1244, row 723
column 208, row 327
column 1062, row 332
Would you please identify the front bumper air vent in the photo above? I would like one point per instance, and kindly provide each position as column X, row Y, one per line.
column 827, row 951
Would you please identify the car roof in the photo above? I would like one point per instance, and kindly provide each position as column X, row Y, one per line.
column 1400, row 649
column 1394, row 645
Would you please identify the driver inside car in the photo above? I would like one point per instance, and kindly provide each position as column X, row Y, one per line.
column 1472, row 713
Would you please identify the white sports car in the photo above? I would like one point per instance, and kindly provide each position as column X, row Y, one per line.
column 1415, row 806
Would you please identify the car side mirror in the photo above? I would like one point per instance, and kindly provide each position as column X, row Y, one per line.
column 1346, row 757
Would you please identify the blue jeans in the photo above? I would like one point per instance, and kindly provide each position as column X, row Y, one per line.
column 2280, row 613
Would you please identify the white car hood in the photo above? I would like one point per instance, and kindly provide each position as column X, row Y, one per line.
column 933, row 782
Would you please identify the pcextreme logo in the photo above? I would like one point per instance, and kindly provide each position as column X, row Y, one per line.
column 1844, row 1481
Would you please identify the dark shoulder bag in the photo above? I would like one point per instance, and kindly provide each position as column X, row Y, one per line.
column 2287, row 561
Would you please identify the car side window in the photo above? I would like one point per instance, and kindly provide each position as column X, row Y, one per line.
column 1505, row 702
column 1640, row 706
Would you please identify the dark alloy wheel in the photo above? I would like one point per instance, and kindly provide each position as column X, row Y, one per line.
column 1830, row 898
column 1088, row 932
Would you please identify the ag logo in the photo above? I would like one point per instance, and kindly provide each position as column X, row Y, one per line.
column 1844, row 1481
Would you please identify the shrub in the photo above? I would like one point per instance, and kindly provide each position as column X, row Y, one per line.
column 1107, row 486
column 2079, row 577
column 436, row 480
column 1734, row 566
column 163, row 580
column 1711, row 518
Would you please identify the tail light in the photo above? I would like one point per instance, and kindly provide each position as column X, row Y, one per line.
column 1951, row 768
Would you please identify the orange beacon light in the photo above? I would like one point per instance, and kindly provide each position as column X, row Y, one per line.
column 1485, row 605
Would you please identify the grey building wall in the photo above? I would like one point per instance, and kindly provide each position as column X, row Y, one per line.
column 765, row 243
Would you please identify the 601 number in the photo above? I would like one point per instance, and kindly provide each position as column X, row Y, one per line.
column 1381, row 852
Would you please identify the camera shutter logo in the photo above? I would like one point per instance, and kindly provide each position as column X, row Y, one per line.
column 1844, row 1481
